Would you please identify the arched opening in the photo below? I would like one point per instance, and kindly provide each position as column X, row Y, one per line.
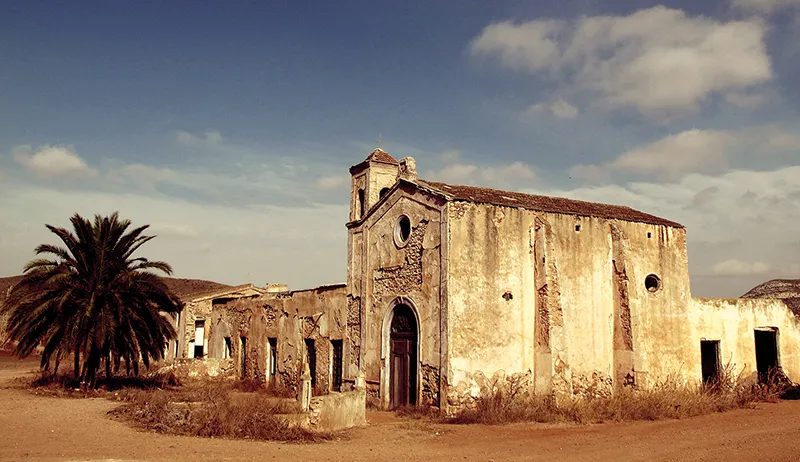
column 383, row 192
column 361, row 205
column 403, row 358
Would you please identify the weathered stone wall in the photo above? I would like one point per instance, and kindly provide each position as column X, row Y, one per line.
column 338, row 411
column 380, row 272
column 289, row 317
column 560, row 297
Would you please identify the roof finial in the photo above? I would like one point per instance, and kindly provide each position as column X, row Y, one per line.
column 380, row 138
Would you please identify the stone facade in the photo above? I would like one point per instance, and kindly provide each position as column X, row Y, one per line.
column 562, row 296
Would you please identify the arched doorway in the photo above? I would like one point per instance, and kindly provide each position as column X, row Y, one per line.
column 403, row 358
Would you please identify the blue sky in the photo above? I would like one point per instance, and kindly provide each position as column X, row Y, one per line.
column 229, row 126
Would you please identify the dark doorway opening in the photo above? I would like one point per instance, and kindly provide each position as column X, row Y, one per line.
column 336, row 365
column 272, row 358
column 403, row 366
column 766, row 353
column 243, row 355
column 311, row 359
column 709, row 358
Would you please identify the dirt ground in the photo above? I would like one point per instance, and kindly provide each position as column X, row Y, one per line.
column 46, row 428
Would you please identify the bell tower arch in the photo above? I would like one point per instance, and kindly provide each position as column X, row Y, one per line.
column 369, row 179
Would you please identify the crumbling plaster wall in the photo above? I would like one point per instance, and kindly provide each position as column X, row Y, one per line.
column 322, row 317
column 289, row 317
column 380, row 272
column 661, row 321
column 732, row 322
column 533, row 294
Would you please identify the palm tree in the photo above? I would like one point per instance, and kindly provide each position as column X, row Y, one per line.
column 94, row 300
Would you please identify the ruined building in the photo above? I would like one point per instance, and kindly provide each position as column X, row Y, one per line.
column 449, row 287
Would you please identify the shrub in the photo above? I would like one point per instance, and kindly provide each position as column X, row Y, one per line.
column 215, row 410
column 511, row 400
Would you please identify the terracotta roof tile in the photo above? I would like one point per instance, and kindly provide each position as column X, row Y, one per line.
column 545, row 203
column 379, row 155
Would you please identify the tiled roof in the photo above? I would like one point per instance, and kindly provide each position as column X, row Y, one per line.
column 787, row 290
column 379, row 155
column 545, row 203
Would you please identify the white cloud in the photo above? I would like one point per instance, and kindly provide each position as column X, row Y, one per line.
column 559, row 109
column 210, row 138
column 52, row 161
column 657, row 60
column 302, row 246
column 764, row 6
column 174, row 230
column 141, row 173
column 456, row 171
column 332, row 182
column 691, row 151
column 745, row 100
column 688, row 151
column 734, row 267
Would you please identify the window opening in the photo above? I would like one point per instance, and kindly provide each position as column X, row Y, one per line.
column 243, row 355
column 311, row 359
column 383, row 193
column 199, row 336
column 402, row 230
column 226, row 353
column 336, row 365
column 272, row 358
column 652, row 283
column 360, row 203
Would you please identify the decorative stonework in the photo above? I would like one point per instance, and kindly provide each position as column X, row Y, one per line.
column 400, row 280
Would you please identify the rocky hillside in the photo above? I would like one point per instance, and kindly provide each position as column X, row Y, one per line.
column 787, row 290
column 183, row 288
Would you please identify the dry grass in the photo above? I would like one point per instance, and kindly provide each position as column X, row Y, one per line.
column 223, row 408
column 216, row 408
column 67, row 386
column 215, row 411
column 509, row 401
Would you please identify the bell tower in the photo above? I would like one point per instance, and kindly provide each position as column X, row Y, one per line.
column 370, row 180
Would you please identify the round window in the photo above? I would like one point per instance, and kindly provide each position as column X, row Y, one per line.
column 402, row 230
column 652, row 283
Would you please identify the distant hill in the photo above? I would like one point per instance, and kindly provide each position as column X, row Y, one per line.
column 183, row 288
column 787, row 290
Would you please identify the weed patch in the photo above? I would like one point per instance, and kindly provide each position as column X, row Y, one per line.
column 510, row 401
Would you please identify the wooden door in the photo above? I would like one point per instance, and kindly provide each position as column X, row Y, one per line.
column 403, row 363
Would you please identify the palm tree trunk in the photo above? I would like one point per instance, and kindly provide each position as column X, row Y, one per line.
column 58, row 362
column 108, row 366
column 77, row 370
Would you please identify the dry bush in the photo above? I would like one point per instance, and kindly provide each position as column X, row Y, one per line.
column 214, row 411
column 512, row 401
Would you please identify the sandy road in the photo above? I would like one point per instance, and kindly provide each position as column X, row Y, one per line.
column 44, row 428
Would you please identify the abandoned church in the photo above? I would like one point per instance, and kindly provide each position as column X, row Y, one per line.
column 449, row 287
